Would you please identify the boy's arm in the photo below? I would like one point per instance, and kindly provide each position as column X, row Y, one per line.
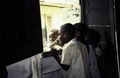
column 56, row 42
column 55, row 55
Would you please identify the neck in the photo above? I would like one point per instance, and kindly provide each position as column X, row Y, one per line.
column 67, row 40
column 82, row 40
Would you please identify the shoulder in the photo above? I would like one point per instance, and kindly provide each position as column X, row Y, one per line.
column 81, row 44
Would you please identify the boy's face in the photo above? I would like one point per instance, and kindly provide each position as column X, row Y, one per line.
column 63, row 37
column 52, row 36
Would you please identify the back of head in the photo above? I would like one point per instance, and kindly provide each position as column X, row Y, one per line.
column 94, row 36
column 82, row 28
column 81, row 31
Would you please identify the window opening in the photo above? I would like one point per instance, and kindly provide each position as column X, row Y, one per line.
column 54, row 13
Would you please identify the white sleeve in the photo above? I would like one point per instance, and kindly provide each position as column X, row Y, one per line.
column 93, row 63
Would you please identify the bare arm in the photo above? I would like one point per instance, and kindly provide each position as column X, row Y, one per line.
column 55, row 55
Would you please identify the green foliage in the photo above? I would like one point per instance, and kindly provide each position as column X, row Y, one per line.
column 71, row 13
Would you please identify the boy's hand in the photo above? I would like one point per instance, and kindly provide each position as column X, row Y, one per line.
column 54, row 52
column 57, row 41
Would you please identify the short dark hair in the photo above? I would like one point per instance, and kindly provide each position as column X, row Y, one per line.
column 94, row 35
column 82, row 28
column 68, row 27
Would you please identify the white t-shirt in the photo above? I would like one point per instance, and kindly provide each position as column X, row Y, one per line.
column 75, row 54
column 94, row 71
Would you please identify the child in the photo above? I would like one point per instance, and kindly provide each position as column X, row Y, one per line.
column 53, row 42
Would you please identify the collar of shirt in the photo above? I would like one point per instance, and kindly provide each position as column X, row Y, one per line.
column 72, row 40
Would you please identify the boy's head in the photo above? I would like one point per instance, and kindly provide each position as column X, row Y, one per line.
column 67, row 32
column 81, row 31
column 82, row 28
column 53, row 34
column 93, row 37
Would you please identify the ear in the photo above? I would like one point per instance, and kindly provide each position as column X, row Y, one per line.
column 66, row 34
column 77, row 34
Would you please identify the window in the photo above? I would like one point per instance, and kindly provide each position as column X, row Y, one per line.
column 54, row 13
